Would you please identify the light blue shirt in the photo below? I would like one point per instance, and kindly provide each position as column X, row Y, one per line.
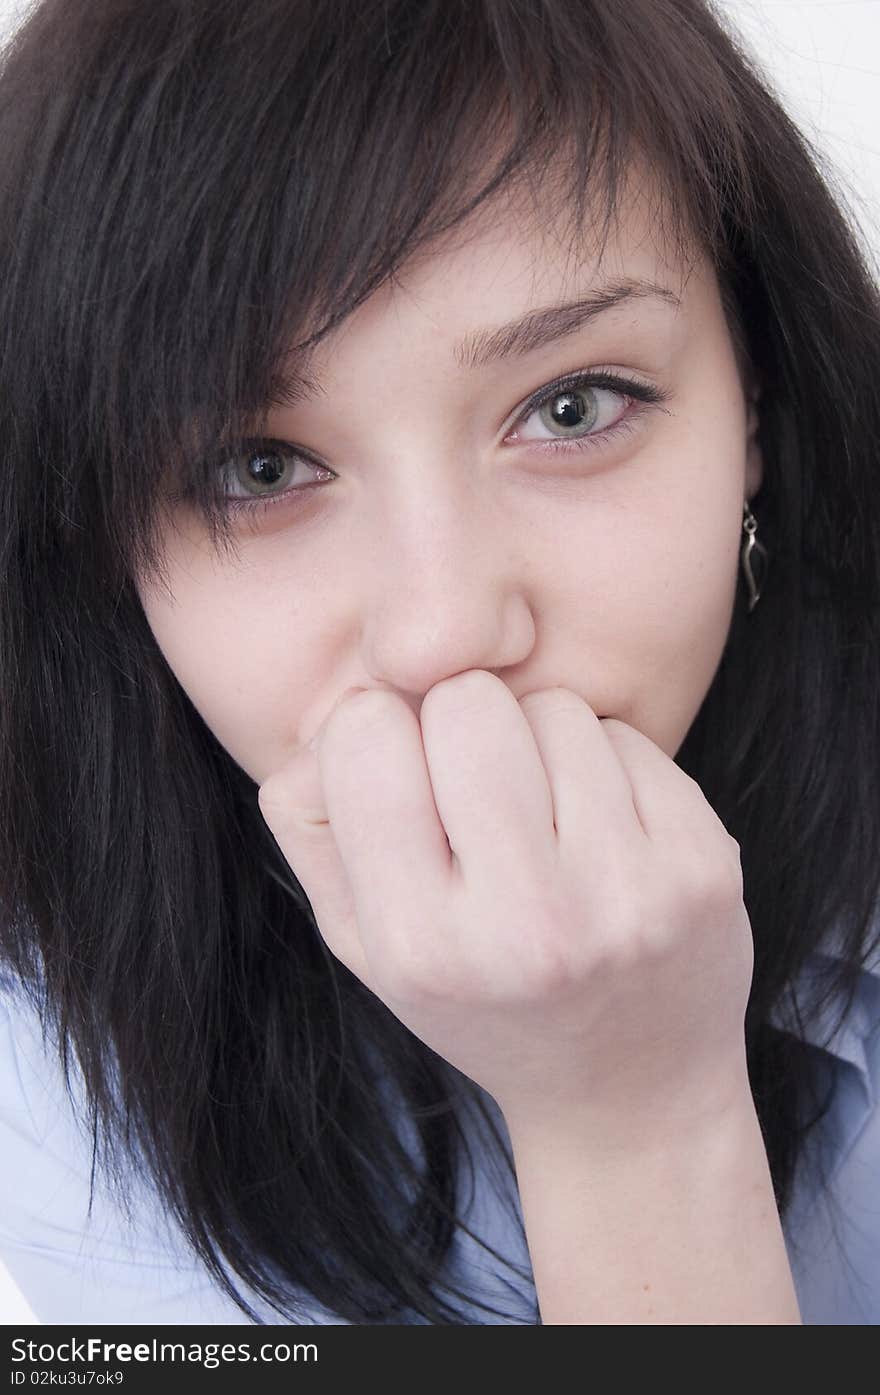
column 110, row 1267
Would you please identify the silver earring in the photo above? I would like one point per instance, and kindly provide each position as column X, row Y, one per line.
column 750, row 546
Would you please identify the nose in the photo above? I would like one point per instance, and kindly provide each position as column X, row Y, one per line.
column 449, row 593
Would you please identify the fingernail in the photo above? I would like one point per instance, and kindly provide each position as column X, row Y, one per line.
column 313, row 742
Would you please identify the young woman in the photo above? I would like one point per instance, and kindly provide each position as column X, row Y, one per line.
column 440, row 546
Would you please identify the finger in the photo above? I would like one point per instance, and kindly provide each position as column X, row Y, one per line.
column 387, row 828
column 669, row 803
column 591, row 792
column 293, row 806
column 490, row 786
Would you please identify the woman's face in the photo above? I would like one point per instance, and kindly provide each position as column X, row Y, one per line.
column 443, row 531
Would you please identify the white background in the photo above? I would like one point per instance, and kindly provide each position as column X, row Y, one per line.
column 823, row 59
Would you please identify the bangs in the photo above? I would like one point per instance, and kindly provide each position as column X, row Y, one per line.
column 215, row 188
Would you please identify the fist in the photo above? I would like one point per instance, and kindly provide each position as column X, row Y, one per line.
column 541, row 896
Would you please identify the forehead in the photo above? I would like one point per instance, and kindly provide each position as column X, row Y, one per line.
column 533, row 228
column 522, row 249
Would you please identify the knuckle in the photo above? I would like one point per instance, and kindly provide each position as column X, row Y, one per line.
column 272, row 798
column 633, row 936
column 555, row 972
column 544, row 957
column 711, row 884
column 409, row 976
column 396, row 977
column 733, row 851
column 624, row 902
column 290, row 816
column 407, row 983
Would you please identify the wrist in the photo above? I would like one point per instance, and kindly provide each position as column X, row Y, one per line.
column 672, row 1228
column 701, row 1116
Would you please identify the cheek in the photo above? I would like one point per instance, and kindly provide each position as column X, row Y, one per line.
column 642, row 597
column 678, row 618
column 238, row 663
column 650, row 568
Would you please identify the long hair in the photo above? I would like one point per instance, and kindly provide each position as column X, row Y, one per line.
column 190, row 190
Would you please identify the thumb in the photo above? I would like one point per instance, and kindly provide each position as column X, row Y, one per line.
column 293, row 806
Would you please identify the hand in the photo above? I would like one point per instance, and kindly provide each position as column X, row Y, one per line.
column 542, row 897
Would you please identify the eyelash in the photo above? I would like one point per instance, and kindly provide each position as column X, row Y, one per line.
column 646, row 395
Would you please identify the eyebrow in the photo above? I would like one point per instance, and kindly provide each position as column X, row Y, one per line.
column 514, row 339
column 540, row 327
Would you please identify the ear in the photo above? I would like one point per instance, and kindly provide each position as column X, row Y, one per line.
column 754, row 473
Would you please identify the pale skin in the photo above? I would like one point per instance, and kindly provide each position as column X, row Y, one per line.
column 496, row 650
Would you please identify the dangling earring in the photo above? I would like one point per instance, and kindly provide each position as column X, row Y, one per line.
column 750, row 546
